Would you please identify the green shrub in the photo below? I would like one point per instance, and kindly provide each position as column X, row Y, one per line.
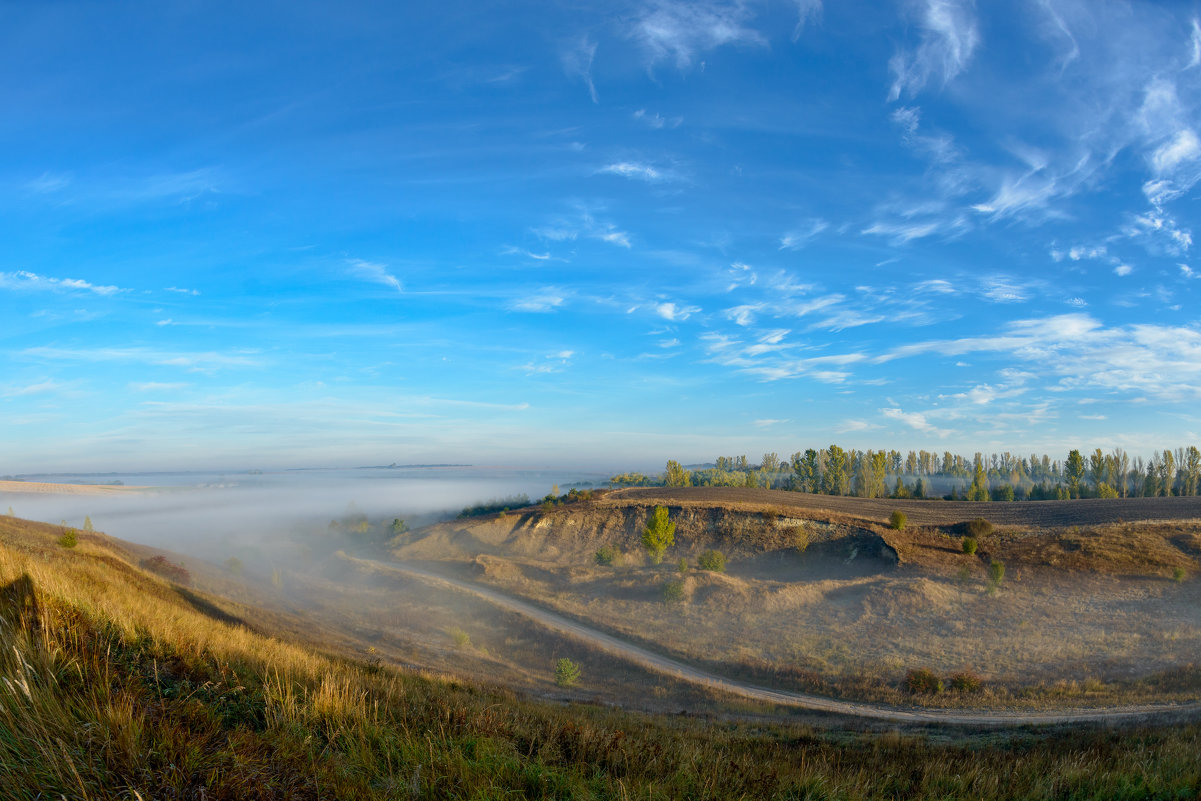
column 607, row 555
column 712, row 560
column 978, row 528
column 462, row 639
column 673, row 591
column 69, row 539
column 996, row 573
column 567, row 673
column 966, row 682
column 682, row 565
column 1179, row 575
column 923, row 682
column 897, row 520
column 970, row 545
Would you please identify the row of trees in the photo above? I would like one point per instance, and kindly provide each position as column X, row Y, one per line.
column 881, row 473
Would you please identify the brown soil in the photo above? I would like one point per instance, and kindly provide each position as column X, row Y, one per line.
column 1037, row 514
column 830, row 599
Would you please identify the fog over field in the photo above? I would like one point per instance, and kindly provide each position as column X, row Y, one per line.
column 204, row 514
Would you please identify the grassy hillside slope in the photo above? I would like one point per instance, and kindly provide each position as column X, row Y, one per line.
column 116, row 683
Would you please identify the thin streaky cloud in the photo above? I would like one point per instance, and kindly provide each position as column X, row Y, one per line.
column 374, row 272
column 577, row 58
column 949, row 36
column 23, row 280
column 680, row 31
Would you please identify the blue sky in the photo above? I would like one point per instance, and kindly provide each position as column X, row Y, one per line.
column 594, row 234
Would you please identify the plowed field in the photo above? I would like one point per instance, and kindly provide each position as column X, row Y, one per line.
column 1035, row 514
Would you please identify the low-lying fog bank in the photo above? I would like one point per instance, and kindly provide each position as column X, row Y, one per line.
column 207, row 514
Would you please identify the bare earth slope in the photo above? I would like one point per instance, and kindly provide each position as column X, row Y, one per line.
column 690, row 673
column 827, row 601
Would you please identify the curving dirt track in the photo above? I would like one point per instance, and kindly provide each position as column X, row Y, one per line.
column 1035, row 514
column 683, row 671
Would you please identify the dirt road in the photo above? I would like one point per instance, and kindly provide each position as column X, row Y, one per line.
column 685, row 672
column 1035, row 514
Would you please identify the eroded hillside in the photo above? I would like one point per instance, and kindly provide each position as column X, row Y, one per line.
column 828, row 601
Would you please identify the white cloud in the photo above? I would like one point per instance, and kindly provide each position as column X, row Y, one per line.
column 545, row 301
column 936, row 285
column 802, row 236
column 656, row 120
column 914, row 420
column 614, row 237
column 195, row 361
column 182, row 291
column 670, row 311
column 373, row 272
column 630, row 169
column 577, row 59
column 1123, row 270
column 948, row 38
column 48, row 385
column 1000, row 289
column 670, row 29
column 27, row 281
column 1183, row 147
column 807, row 10
column 901, row 233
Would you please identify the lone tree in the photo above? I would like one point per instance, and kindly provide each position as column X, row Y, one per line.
column 659, row 534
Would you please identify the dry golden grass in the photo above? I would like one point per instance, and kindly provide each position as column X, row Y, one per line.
column 115, row 684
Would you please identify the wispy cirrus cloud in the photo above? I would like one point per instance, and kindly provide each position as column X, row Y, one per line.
column 915, row 420
column 374, row 272
column 38, row 388
column 584, row 225
column 680, row 31
column 23, row 280
column 1077, row 351
column 674, row 312
column 948, row 37
column 547, row 300
column 199, row 361
column 802, row 235
column 48, row 183
column 635, row 170
column 577, row 57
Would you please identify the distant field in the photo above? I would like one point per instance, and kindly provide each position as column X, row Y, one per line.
column 1037, row 514
column 44, row 488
